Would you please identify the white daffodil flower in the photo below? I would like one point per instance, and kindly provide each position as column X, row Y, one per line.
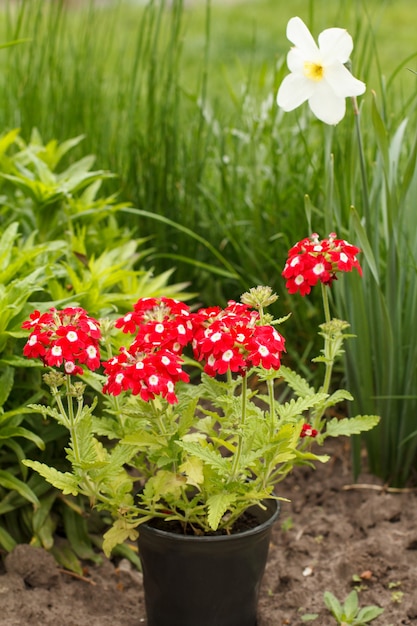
column 318, row 73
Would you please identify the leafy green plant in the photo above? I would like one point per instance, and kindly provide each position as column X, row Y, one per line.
column 202, row 454
column 349, row 612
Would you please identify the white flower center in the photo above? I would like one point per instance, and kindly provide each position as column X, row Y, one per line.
column 92, row 352
column 215, row 337
column 263, row 350
column 313, row 71
column 56, row 350
column 72, row 336
column 318, row 269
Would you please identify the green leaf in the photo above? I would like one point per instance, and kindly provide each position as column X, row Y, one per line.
column 6, row 384
column 296, row 382
column 65, row 482
column 217, row 507
column 351, row 606
column 6, row 540
column 10, row 432
column 368, row 613
column 66, row 557
column 120, row 532
column 350, row 425
column 333, row 604
column 77, row 534
column 193, row 469
column 9, row 481
column 209, row 456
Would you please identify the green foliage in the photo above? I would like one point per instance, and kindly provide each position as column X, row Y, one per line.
column 350, row 612
column 60, row 242
column 381, row 368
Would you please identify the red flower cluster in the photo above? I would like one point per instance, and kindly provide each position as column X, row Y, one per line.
column 68, row 337
column 152, row 365
column 308, row 431
column 159, row 322
column 312, row 260
column 231, row 339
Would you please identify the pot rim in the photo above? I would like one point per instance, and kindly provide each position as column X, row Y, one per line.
column 260, row 528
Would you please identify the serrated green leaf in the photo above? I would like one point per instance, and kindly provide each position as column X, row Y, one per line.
column 64, row 481
column 209, row 456
column 120, row 532
column 296, row 382
column 193, row 469
column 350, row 425
column 296, row 407
column 217, row 507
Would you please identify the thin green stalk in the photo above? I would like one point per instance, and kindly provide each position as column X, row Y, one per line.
column 362, row 165
column 238, row 453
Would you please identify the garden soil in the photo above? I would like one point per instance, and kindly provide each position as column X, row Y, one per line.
column 334, row 535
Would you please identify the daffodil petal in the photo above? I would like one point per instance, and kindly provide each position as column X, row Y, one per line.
column 342, row 82
column 335, row 43
column 295, row 61
column 300, row 36
column 327, row 106
column 293, row 91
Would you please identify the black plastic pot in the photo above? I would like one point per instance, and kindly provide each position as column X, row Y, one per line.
column 205, row 580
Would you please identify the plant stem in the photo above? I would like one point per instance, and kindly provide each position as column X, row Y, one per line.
column 238, row 453
column 270, row 385
column 72, row 420
column 327, row 348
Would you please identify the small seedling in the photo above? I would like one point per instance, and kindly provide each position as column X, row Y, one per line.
column 287, row 524
column 396, row 596
column 350, row 612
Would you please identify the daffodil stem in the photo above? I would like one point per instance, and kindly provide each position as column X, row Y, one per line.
column 365, row 194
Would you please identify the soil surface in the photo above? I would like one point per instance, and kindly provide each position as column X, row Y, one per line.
column 332, row 536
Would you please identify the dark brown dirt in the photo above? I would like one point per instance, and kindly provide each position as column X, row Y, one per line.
column 333, row 536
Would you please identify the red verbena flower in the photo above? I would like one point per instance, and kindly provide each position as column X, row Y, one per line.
column 147, row 374
column 232, row 339
column 68, row 338
column 162, row 322
column 308, row 431
column 312, row 260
